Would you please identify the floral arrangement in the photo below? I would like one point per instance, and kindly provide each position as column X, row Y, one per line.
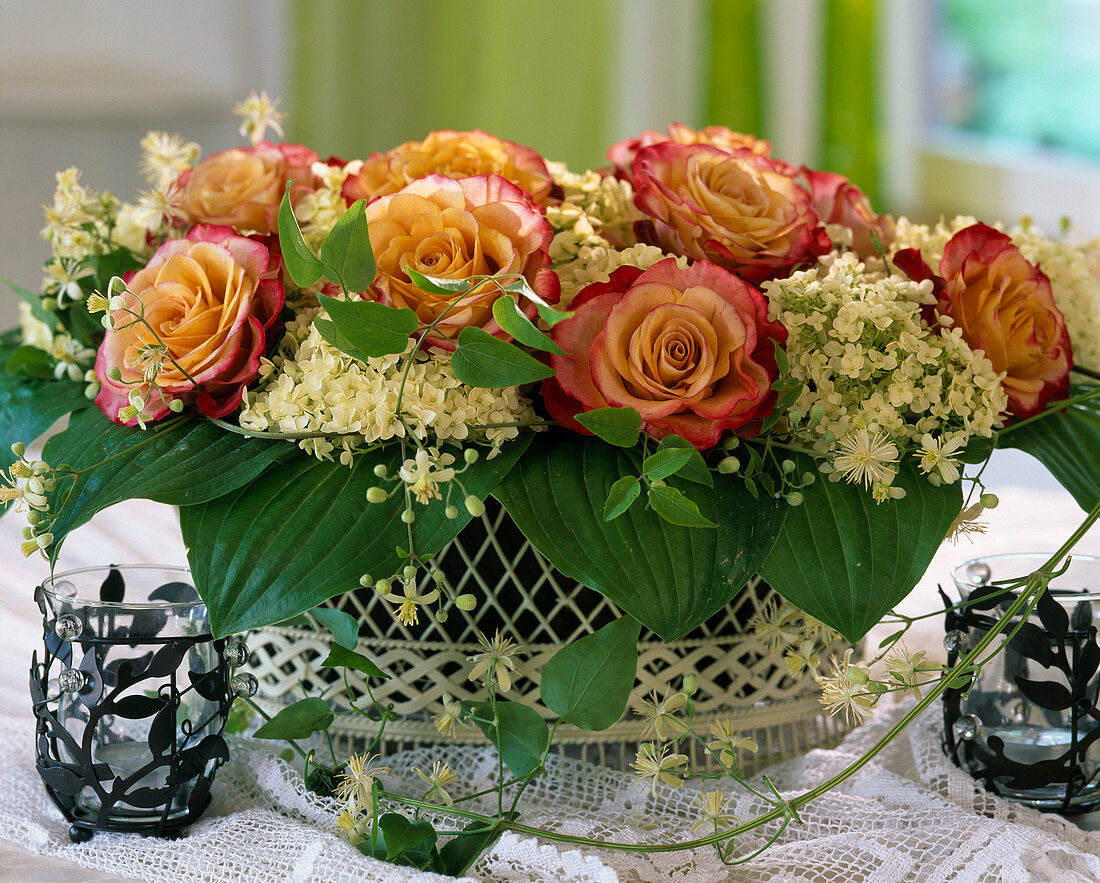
column 697, row 364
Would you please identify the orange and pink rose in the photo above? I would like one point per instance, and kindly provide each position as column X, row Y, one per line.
column 623, row 153
column 242, row 187
column 838, row 201
column 691, row 350
column 454, row 229
column 208, row 301
column 455, row 155
column 739, row 210
column 1003, row 305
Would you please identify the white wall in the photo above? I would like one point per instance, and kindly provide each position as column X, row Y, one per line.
column 81, row 83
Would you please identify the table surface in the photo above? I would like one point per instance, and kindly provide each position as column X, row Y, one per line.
column 1034, row 515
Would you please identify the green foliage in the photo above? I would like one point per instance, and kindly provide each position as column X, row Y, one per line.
column 346, row 251
column 668, row 577
column 297, row 721
column 616, row 426
column 621, row 497
column 179, row 463
column 297, row 535
column 435, row 285
column 365, row 329
column 341, row 625
column 463, row 849
column 32, row 362
column 588, row 683
column 521, row 737
column 34, row 301
column 485, row 361
column 1068, row 444
column 517, row 324
column 665, row 462
column 341, row 657
column 695, row 469
column 407, row 842
column 303, row 265
column 846, row 559
column 675, row 507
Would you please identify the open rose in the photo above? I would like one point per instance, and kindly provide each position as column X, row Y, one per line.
column 691, row 350
column 1003, row 306
column 210, row 298
column 454, row 229
column 243, row 187
column 454, row 154
column 622, row 153
column 738, row 210
column 838, row 201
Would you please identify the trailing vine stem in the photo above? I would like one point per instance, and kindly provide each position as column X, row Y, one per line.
column 1036, row 584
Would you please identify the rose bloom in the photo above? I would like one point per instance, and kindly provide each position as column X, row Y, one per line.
column 691, row 350
column 210, row 298
column 622, row 153
column 838, row 201
column 454, row 154
column 454, row 229
column 243, row 187
column 1003, row 306
column 738, row 210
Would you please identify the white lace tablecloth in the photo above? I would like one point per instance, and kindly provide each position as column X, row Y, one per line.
column 908, row 816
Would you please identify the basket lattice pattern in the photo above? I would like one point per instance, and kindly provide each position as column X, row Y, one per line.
column 522, row 595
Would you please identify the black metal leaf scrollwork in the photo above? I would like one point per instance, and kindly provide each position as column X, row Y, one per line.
column 162, row 782
column 1065, row 775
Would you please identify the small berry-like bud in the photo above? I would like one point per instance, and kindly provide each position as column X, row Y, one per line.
column 49, row 304
column 730, row 442
column 114, row 372
column 470, row 455
column 408, row 516
column 441, row 615
column 691, row 683
column 465, row 602
column 990, row 501
column 451, row 512
column 376, row 495
column 409, row 572
column 383, row 586
column 365, row 581
column 175, row 405
column 474, row 506
column 381, row 471
column 438, row 577
column 19, row 449
column 794, row 498
column 788, row 466
column 729, row 465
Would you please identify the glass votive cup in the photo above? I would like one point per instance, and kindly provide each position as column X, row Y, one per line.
column 131, row 696
column 1027, row 725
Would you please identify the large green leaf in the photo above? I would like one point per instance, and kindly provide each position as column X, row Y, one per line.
column 847, row 560
column 670, row 578
column 175, row 463
column 29, row 406
column 523, row 735
column 1068, row 444
column 304, row 532
column 588, row 683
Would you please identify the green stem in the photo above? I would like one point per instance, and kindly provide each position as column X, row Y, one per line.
column 286, row 436
column 1054, row 408
column 1088, row 372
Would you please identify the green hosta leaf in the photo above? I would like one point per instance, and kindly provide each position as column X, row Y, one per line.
column 1068, row 444
column 523, row 735
column 621, row 497
column 297, row 721
column 588, row 683
column 341, row 625
column 30, row 406
column 342, row 657
column 302, row 264
column 346, row 251
column 674, row 507
column 666, row 462
column 175, row 463
column 514, row 322
column 483, row 360
column 31, row 361
column 365, row 329
column 403, row 836
column 37, row 310
column 670, row 578
column 304, row 532
column 847, row 560
column 114, row 263
column 696, row 467
column 616, row 426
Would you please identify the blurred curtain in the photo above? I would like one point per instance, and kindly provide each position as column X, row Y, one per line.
column 367, row 76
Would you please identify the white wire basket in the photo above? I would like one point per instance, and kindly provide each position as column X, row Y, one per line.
column 524, row 597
